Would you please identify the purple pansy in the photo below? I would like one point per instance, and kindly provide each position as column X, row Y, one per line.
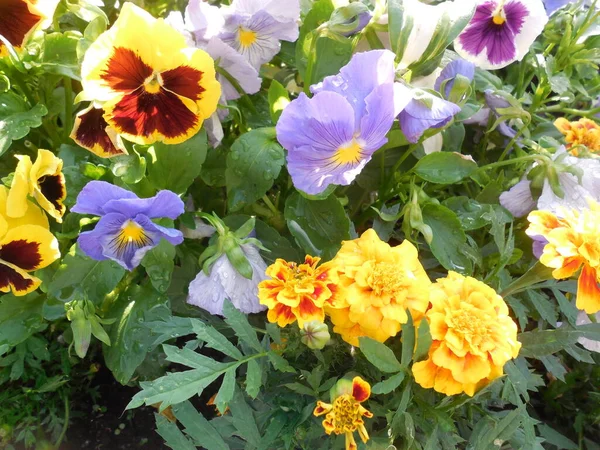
column 331, row 136
column 554, row 5
column 450, row 72
column 501, row 31
column 125, row 231
column 204, row 21
column 422, row 112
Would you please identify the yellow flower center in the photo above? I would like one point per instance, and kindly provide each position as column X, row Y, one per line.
column 345, row 410
column 131, row 235
column 468, row 323
column 386, row 278
column 498, row 19
column 153, row 83
column 349, row 153
column 247, row 37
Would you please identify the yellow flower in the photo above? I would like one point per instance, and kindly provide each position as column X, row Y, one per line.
column 151, row 86
column 582, row 132
column 472, row 336
column 25, row 245
column 573, row 241
column 42, row 180
column 379, row 283
column 298, row 291
column 345, row 413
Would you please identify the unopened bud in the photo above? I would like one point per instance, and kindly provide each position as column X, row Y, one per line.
column 315, row 335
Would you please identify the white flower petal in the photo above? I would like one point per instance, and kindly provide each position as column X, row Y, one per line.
column 518, row 199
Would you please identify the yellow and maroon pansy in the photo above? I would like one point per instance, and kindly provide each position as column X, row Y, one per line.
column 43, row 180
column 18, row 19
column 152, row 86
column 92, row 132
column 25, row 245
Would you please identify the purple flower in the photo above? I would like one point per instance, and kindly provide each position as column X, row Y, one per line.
column 204, row 21
column 210, row 291
column 422, row 112
column 553, row 5
column 501, row 31
column 331, row 136
column 125, row 231
column 449, row 73
column 255, row 27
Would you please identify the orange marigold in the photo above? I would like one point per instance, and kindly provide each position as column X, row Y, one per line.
column 345, row 413
column 472, row 336
column 298, row 291
column 582, row 132
column 379, row 283
column 573, row 242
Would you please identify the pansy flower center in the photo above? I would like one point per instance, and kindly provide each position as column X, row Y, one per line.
column 131, row 235
column 386, row 279
column 349, row 153
column 153, row 83
column 247, row 37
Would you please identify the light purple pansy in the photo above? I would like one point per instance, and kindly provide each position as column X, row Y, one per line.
column 422, row 112
column 125, row 231
column 255, row 27
column 204, row 21
column 449, row 73
column 501, row 31
column 224, row 282
column 331, row 136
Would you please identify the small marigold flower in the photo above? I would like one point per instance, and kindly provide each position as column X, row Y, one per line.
column 25, row 245
column 19, row 18
column 379, row 283
column 582, row 132
column 151, row 85
column 43, row 180
column 298, row 291
column 125, row 231
column 472, row 336
column 345, row 413
column 572, row 242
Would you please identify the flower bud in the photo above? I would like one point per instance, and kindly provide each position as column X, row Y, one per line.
column 315, row 335
column 349, row 20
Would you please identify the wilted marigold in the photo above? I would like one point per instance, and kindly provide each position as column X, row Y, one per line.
column 573, row 241
column 345, row 413
column 472, row 336
column 298, row 291
column 582, row 132
column 379, row 283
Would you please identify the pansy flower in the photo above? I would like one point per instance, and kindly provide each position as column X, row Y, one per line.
column 151, row 85
column 43, row 180
column 125, row 231
column 501, row 31
column 92, row 132
column 332, row 136
column 18, row 18
column 25, row 245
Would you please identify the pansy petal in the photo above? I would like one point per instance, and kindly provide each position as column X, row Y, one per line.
column 378, row 119
column 18, row 18
column 450, row 71
column 19, row 189
column 16, row 280
column 207, row 293
column 204, row 20
column 48, row 184
column 29, row 247
column 93, row 133
column 96, row 194
column 157, row 232
column 163, row 204
column 91, row 242
column 518, row 199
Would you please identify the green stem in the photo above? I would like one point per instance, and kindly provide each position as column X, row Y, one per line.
column 68, row 106
column 373, row 39
column 509, row 161
column 310, row 64
column 512, row 142
column 63, row 432
column 270, row 204
column 575, row 112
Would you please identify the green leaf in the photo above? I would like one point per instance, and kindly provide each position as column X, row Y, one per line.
column 423, row 341
column 225, row 393
column 20, row 317
column 278, row 99
column 198, row 428
column 16, row 123
column 379, row 355
column 253, row 164
column 408, row 340
column 243, row 419
column 553, row 437
column 319, row 226
column 541, row 343
column 253, row 378
column 172, row 435
column 388, row 385
column 82, row 334
column 399, row 31
column 79, row 275
column 444, row 167
column 280, row 363
column 130, row 168
column 159, row 263
column 214, row 339
column 59, row 54
column 502, row 430
column 449, row 240
column 175, row 167
column 238, row 322
column 130, row 339
column 554, row 366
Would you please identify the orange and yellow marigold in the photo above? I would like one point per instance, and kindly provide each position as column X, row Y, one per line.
column 582, row 132
column 573, row 243
column 378, row 283
column 472, row 336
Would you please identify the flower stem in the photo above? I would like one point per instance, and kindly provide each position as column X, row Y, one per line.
column 68, row 106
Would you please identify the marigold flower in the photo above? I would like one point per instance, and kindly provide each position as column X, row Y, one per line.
column 472, row 336
column 43, row 180
column 298, row 291
column 19, row 18
column 379, row 283
column 345, row 413
column 151, row 85
column 571, row 242
column 582, row 132
column 25, row 245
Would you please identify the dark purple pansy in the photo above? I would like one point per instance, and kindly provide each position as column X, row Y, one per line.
column 501, row 31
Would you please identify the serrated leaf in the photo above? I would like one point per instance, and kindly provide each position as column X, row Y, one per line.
column 379, row 355
column 280, row 363
column 243, row 419
column 423, row 341
column 214, row 339
column 198, row 428
column 225, row 393
column 238, row 321
column 388, row 385
column 541, row 343
column 253, row 378
column 408, row 341
column 172, row 435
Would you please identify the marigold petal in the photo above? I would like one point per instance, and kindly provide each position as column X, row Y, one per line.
column 322, row 408
column 588, row 290
column 361, row 390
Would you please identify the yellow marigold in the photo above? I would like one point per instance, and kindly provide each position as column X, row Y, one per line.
column 345, row 413
column 379, row 283
column 298, row 291
column 582, row 132
column 472, row 336
column 572, row 241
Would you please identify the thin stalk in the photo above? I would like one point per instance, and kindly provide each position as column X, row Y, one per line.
column 508, row 162
column 68, row 106
column 63, row 432
column 373, row 39
column 270, row 204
